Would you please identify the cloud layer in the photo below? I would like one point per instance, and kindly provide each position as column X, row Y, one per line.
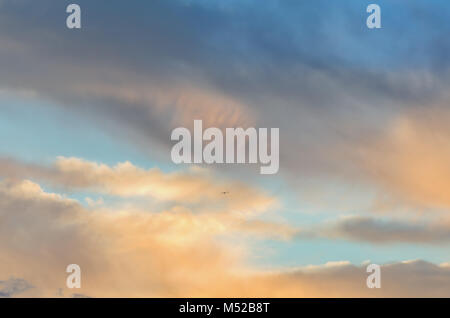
column 172, row 254
column 356, row 110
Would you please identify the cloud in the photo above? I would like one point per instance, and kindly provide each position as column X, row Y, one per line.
column 13, row 287
column 170, row 254
column 195, row 186
column 352, row 106
column 139, row 252
column 397, row 163
column 401, row 279
column 409, row 162
column 132, row 250
column 80, row 296
column 313, row 71
column 381, row 231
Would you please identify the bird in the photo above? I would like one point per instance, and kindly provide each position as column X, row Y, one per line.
column 225, row 192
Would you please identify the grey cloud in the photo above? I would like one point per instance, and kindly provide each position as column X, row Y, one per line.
column 382, row 231
column 290, row 64
column 311, row 70
column 80, row 296
column 400, row 279
column 13, row 287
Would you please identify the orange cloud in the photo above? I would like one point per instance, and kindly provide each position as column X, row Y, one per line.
column 411, row 161
column 169, row 254
column 196, row 186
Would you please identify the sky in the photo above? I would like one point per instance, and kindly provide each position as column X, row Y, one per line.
column 86, row 175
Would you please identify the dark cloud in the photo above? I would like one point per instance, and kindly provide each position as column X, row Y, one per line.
column 381, row 231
